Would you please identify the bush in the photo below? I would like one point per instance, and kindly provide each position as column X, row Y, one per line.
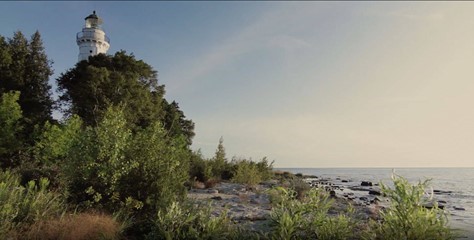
column 251, row 173
column 300, row 186
column 24, row 205
column 246, row 172
column 308, row 218
column 111, row 167
column 184, row 221
column 200, row 168
column 407, row 218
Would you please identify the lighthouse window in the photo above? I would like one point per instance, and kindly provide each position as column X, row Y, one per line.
column 90, row 51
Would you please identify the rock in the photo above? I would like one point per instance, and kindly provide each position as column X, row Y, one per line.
column 356, row 188
column 366, row 184
column 213, row 191
column 459, row 209
column 260, row 199
column 374, row 192
column 216, row 198
column 431, row 205
column 442, row 192
column 332, row 193
column 364, row 199
column 442, row 201
column 344, row 181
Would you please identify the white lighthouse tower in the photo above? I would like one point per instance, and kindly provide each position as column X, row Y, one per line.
column 92, row 39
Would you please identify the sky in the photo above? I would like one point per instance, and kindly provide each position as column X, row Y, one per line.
column 307, row 84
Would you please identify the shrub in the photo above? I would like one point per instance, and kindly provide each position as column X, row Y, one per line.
column 407, row 218
column 308, row 218
column 246, row 172
column 111, row 167
column 23, row 205
column 300, row 186
column 266, row 169
column 185, row 221
column 200, row 168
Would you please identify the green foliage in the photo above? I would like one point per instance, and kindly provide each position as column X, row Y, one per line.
column 110, row 167
column 407, row 218
column 265, row 169
column 96, row 160
column 200, row 169
column 176, row 123
column 23, row 205
column 299, row 186
column 25, row 67
column 184, row 221
column 308, row 218
column 246, row 172
column 162, row 168
column 55, row 141
column 251, row 173
column 238, row 170
column 92, row 86
column 219, row 161
column 10, row 114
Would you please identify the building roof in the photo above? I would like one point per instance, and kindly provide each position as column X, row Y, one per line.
column 93, row 15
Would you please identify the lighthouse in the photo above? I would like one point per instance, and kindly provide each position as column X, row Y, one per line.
column 92, row 39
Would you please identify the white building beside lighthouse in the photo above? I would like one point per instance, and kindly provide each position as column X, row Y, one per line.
column 92, row 39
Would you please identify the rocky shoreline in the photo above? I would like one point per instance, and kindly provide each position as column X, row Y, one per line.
column 250, row 207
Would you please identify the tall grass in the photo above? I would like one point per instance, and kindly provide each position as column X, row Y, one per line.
column 24, row 205
column 82, row 226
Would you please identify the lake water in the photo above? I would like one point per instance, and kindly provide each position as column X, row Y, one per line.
column 459, row 181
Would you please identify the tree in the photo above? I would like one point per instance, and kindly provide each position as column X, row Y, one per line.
column 10, row 115
column 92, row 86
column 36, row 102
column 220, row 166
column 25, row 67
column 5, row 60
column 176, row 123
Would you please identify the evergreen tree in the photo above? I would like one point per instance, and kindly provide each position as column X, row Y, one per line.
column 219, row 166
column 5, row 61
column 37, row 102
column 25, row 67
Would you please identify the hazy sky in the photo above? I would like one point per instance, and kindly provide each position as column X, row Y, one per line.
column 307, row 84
